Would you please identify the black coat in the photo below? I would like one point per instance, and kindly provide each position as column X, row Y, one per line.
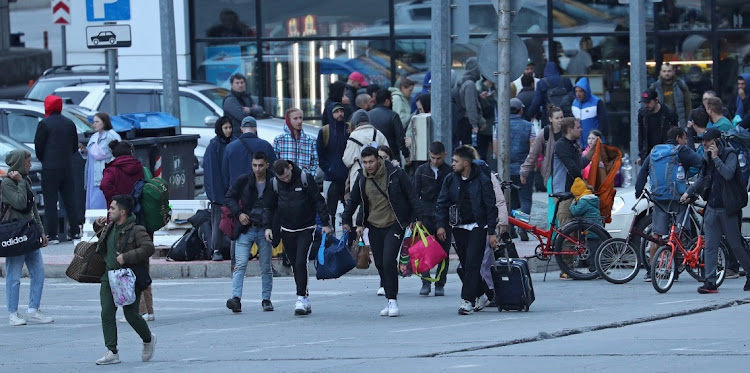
column 244, row 191
column 428, row 188
column 482, row 198
column 55, row 142
column 404, row 201
column 295, row 205
column 387, row 121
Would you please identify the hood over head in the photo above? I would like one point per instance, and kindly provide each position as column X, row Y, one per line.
column 472, row 70
column 217, row 128
column 16, row 160
column 583, row 84
column 52, row 104
column 550, row 70
column 329, row 112
column 128, row 164
column 745, row 77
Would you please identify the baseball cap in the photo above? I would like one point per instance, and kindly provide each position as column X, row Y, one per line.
column 337, row 107
column 516, row 104
column 249, row 121
column 711, row 134
column 649, row 95
column 358, row 77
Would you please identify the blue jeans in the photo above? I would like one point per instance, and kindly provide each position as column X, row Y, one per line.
column 13, row 267
column 242, row 254
column 521, row 199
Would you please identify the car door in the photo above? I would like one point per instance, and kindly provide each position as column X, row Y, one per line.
column 21, row 125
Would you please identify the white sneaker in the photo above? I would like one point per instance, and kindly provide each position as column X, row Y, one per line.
column 148, row 317
column 392, row 309
column 381, row 291
column 16, row 319
column 465, row 308
column 109, row 358
column 38, row 317
column 148, row 349
column 123, row 320
column 308, row 305
column 300, row 309
column 481, row 302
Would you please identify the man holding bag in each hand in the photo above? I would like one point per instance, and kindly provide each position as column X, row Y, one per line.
column 123, row 244
column 389, row 205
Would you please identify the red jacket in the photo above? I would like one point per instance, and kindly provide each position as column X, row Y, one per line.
column 120, row 176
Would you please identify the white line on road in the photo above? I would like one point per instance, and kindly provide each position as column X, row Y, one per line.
column 678, row 301
column 454, row 325
column 583, row 310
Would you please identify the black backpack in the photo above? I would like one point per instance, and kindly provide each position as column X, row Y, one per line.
column 188, row 247
column 560, row 97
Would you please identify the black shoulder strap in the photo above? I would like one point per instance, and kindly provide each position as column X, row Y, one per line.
column 374, row 134
column 249, row 152
column 546, row 134
column 356, row 141
column 379, row 189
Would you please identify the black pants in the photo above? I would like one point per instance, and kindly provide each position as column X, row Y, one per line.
column 334, row 196
column 483, row 144
column 463, row 132
column 217, row 236
column 297, row 248
column 385, row 244
column 54, row 183
column 432, row 228
column 470, row 250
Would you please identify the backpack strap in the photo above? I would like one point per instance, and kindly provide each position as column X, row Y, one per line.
column 374, row 134
column 356, row 141
column 246, row 147
column 326, row 134
column 275, row 182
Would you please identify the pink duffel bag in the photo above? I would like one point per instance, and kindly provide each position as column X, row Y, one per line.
column 426, row 252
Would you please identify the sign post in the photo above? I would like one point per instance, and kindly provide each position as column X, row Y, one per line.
column 61, row 16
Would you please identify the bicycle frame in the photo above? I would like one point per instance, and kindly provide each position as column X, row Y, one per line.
column 689, row 257
column 545, row 235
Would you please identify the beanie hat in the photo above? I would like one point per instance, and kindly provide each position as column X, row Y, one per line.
column 579, row 188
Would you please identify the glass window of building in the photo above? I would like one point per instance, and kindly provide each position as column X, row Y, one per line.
column 588, row 16
column 734, row 59
column 733, row 14
column 682, row 15
column 300, row 18
column 224, row 19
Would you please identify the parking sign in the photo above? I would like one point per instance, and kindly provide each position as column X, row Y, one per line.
column 107, row 10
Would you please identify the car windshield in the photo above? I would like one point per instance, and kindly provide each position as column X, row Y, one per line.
column 216, row 95
column 81, row 122
column 7, row 145
column 44, row 88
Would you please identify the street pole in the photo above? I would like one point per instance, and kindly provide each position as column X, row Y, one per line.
column 4, row 25
column 440, row 67
column 637, row 69
column 112, row 67
column 503, row 92
column 169, row 60
column 64, row 46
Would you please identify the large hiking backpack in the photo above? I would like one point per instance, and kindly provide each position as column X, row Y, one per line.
column 668, row 182
column 155, row 204
column 560, row 96
column 739, row 139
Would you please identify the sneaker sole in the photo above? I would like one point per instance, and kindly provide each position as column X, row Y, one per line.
column 234, row 309
column 153, row 344
column 464, row 312
column 109, row 362
column 393, row 315
column 300, row 312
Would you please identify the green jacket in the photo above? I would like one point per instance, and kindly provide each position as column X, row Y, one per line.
column 15, row 193
column 133, row 242
column 587, row 208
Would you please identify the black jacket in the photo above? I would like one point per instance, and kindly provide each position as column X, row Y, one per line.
column 56, row 142
column 428, row 188
column 404, row 202
column 232, row 107
column 482, row 199
column 295, row 205
column 387, row 121
column 720, row 181
column 244, row 191
column 652, row 128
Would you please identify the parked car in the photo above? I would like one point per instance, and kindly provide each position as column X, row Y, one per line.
column 19, row 119
column 62, row 76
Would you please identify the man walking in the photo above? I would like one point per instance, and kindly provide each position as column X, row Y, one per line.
column 389, row 205
column 720, row 183
column 246, row 200
column 238, row 154
column 428, row 181
column 331, row 143
column 295, row 201
column 295, row 145
column 654, row 120
column 388, row 122
column 364, row 134
column 238, row 104
column 56, row 142
column 466, row 205
column 673, row 92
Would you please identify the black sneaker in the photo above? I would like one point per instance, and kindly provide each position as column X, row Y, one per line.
column 267, row 305
column 513, row 233
column 524, row 236
column 747, row 285
column 708, row 288
column 426, row 288
column 234, row 304
column 439, row 291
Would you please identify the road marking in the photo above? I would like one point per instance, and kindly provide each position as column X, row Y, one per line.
column 320, row 342
column 697, row 350
column 236, row 329
column 464, row 366
column 454, row 325
column 583, row 310
column 678, row 301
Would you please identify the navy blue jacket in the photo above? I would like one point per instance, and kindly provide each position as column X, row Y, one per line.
column 239, row 161
column 551, row 79
column 215, row 181
column 331, row 156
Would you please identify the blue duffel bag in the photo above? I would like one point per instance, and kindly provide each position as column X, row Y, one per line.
column 334, row 259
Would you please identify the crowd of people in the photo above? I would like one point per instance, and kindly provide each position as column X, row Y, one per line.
column 363, row 149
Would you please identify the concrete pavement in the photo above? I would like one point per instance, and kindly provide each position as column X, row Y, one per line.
column 574, row 326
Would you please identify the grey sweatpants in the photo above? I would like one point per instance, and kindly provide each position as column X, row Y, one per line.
column 717, row 223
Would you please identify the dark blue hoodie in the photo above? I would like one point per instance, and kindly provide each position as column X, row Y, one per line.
column 551, row 79
column 215, row 182
column 330, row 156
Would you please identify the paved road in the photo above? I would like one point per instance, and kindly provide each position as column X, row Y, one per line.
column 573, row 326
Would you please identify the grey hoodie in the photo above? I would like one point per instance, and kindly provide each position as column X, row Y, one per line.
column 469, row 94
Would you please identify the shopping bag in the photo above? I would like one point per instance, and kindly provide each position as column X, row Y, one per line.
column 122, row 284
column 334, row 259
column 425, row 252
column 229, row 224
column 404, row 265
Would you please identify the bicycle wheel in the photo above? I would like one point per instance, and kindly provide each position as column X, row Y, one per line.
column 662, row 269
column 643, row 245
column 699, row 273
column 617, row 261
column 572, row 254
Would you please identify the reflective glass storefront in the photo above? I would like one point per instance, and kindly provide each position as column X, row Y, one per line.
column 291, row 50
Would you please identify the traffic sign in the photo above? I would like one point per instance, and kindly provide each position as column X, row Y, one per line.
column 107, row 10
column 108, row 36
column 61, row 12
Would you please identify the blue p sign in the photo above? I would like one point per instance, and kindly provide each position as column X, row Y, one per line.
column 107, row 10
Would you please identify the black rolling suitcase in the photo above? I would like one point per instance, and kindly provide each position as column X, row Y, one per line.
column 513, row 288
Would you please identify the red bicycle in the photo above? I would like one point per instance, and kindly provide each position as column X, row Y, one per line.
column 573, row 245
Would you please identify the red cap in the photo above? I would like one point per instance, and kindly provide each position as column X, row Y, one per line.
column 358, row 77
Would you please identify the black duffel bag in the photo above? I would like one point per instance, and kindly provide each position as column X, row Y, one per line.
column 19, row 237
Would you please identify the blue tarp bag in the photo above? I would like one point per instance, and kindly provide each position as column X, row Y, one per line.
column 334, row 259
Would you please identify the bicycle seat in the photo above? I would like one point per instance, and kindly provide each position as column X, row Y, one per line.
column 564, row 196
